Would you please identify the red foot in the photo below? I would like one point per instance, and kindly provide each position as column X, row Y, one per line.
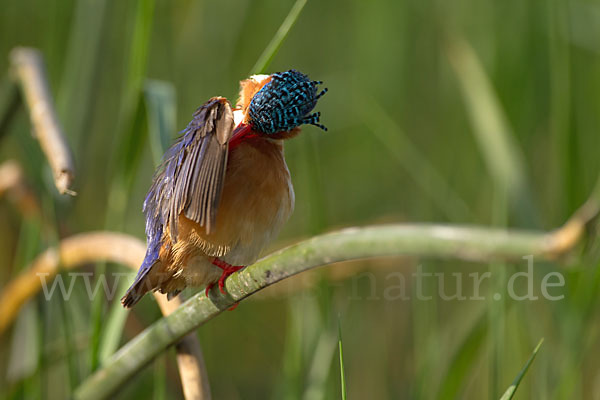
column 228, row 269
column 233, row 307
column 208, row 287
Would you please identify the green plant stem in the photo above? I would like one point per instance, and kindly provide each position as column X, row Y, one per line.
column 468, row 243
column 342, row 375
column 510, row 392
column 10, row 102
column 493, row 133
column 127, row 157
column 272, row 48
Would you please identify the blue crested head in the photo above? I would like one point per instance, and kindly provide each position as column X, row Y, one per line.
column 285, row 103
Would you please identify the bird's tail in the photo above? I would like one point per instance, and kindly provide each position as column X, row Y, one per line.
column 142, row 284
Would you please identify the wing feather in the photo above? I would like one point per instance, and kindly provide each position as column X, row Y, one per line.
column 190, row 180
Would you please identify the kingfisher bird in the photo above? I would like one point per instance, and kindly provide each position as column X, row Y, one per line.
column 223, row 190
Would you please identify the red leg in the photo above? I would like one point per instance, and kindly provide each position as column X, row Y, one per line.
column 228, row 269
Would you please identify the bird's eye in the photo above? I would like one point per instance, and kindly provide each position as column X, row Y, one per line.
column 285, row 103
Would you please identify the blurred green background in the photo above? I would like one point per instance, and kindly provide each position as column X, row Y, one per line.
column 472, row 112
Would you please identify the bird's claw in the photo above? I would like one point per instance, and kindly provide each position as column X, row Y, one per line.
column 208, row 287
column 228, row 269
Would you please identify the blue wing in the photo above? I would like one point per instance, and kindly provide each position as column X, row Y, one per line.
column 190, row 181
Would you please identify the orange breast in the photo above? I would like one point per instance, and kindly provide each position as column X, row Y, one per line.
column 257, row 193
column 257, row 200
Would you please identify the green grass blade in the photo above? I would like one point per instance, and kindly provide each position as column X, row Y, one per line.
column 115, row 321
column 424, row 174
column 104, row 341
column 117, row 315
column 160, row 378
column 157, row 120
column 77, row 92
column 560, row 75
column 10, row 101
column 464, row 359
column 320, row 366
column 96, row 317
column 127, row 153
column 274, row 45
column 513, row 387
column 342, row 375
column 293, row 363
column 161, row 110
column 490, row 126
column 129, row 146
column 500, row 150
column 140, row 45
column 67, row 326
column 24, row 349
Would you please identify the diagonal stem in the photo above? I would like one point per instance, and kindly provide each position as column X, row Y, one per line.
column 467, row 243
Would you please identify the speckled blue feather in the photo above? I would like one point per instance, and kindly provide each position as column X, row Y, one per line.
column 285, row 103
